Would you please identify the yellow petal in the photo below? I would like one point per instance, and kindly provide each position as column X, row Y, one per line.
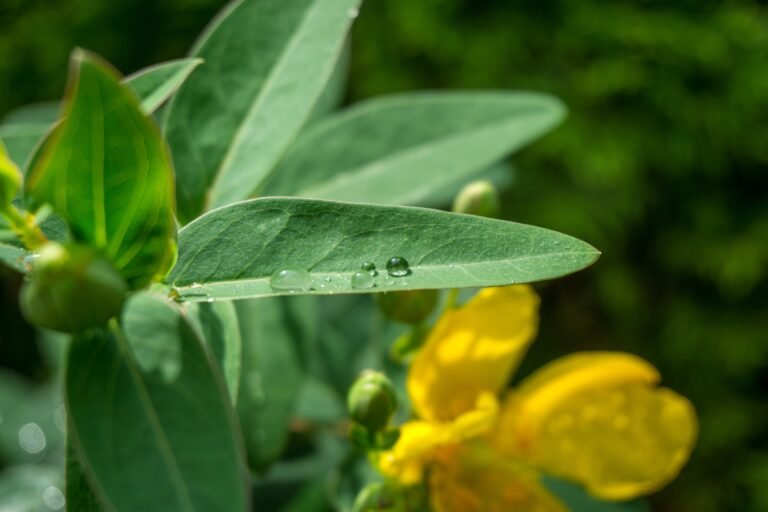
column 599, row 419
column 475, row 480
column 472, row 350
column 421, row 442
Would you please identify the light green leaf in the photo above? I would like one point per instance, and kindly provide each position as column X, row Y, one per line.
column 267, row 63
column 272, row 375
column 154, row 85
column 218, row 327
column 21, row 139
column 398, row 149
column 106, row 171
column 12, row 256
column 23, row 129
column 149, row 411
column 232, row 252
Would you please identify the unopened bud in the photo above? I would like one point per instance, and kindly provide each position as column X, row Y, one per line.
column 372, row 400
column 478, row 198
column 409, row 306
column 71, row 288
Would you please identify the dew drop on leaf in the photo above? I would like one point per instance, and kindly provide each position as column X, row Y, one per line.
column 362, row 280
column 397, row 266
column 369, row 267
column 291, row 279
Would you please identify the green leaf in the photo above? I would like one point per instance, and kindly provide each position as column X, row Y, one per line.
column 267, row 64
column 80, row 496
column 232, row 252
column 23, row 129
column 13, row 257
column 106, row 171
column 150, row 418
column 397, row 149
column 154, row 85
column 20, row 139
column 218, row 326
column 272, row 373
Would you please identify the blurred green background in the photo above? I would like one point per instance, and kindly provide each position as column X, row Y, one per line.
column 662, row 165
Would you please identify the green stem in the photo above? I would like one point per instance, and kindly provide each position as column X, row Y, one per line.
column 25, row 226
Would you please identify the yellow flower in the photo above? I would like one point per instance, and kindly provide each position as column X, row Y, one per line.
column 595, row 418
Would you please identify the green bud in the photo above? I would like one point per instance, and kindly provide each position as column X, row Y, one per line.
column 10, row 179
column 372, row 400
column 71, row 288
column 478, row 198
column 408, row 307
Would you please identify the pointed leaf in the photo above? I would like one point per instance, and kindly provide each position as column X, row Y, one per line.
column 218, row 326
column 267, row 63
column 232, row 252
column 151, row 421
column 106, row 171
column 272, row 374
column 12, row 256
column 397, row 149
column 156, row 84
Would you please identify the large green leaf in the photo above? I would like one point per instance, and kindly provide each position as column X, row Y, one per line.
column 232, row 252
column 219, row 328
column 22, row 129
column 266, row 64
column 106, row 171
column 80, row 495
column 273, row 330
column 396, row 150
column 151, row 421
column 156, row 84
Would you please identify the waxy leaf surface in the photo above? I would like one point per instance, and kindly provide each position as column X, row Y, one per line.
column 267, row 62
column 150, row 418
column 232, row 252
column 398, row 149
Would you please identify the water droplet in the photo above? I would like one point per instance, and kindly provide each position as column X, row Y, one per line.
column 362, row 280
column 353, row 12
column 369, row 267
column 291, row 279
column 210, row 300
column 397, row 266
column 31, row 438
column 195, row 285
column 328, row 279
column 389, row 282
column 53, row 498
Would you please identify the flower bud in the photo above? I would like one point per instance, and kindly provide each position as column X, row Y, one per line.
column 409, row 306
column 71, row 288
column 372, row 400
column 10, row 179
column 478, row 198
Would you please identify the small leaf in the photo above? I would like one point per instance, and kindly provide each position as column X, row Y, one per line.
column 232, row 252
column 267, row 64
column 398, row 149
column 106, row 171
column 218, row 326
column 13, row 257
column 154, row 85
column 149, row 411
